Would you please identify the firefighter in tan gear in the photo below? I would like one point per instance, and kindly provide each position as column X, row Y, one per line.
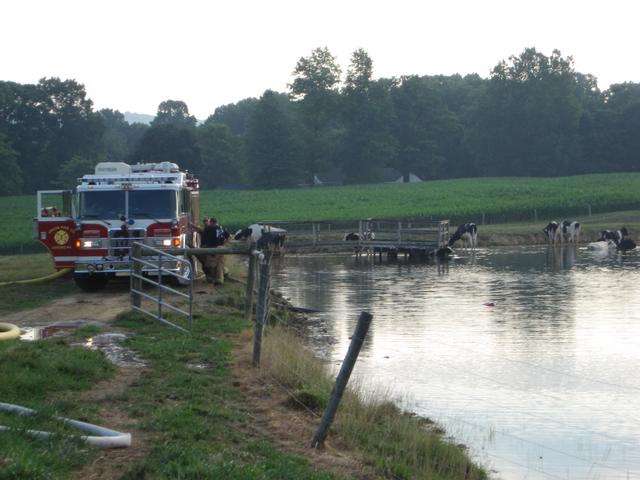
column 213, row 235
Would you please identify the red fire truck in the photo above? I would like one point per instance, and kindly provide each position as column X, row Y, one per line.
column 91, row 229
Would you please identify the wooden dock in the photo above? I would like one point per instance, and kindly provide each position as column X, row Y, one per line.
column 414, row 238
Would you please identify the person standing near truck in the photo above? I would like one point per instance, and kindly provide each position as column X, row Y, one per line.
column 213, row 235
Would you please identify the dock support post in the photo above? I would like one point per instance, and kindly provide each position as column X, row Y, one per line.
column 343, row 377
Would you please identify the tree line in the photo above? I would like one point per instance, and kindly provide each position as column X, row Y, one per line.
column 534, row 116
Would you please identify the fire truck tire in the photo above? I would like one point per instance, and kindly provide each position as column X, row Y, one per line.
column 185, row 272
column 90, row 283
column 9, row 331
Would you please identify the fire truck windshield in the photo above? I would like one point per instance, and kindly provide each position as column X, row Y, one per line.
column 153, row 203
column 102, row 204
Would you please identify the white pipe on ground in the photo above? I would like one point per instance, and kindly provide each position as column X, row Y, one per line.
column 102, row 437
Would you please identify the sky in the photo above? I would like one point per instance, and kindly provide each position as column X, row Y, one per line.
column 132, row 55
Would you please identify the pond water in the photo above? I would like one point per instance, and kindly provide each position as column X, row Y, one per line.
column 530, row 356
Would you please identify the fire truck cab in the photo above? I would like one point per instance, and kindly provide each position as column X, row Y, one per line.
column 92, row 229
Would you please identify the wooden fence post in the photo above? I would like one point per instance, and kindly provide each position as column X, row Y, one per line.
column 251, row 283
column 343, row 377
column 261, row 307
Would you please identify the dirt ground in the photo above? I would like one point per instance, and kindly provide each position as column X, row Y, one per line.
column 98, row 307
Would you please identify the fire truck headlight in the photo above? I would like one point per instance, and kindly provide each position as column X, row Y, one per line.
column 169, row 242
column 91, row 244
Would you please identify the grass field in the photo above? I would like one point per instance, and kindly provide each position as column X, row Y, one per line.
column 17, row 297
column 499, row 200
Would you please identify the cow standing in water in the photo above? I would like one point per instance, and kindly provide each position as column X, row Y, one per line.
column 552, row 232
column 616, row 236
column 468, row 233
column 619, row 237
column 354, row 236
column 570, row 231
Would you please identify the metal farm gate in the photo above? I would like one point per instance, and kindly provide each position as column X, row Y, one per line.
column 153, row 267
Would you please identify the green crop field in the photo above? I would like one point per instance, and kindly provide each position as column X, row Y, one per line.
column 498, row 199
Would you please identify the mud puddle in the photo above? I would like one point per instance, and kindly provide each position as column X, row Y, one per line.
column 109, row 344
column 53, row 330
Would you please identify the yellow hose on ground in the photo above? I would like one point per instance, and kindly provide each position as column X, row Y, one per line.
column 52, row 276
column 9, row 331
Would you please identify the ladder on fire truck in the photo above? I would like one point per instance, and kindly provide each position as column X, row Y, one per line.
column 152, row 262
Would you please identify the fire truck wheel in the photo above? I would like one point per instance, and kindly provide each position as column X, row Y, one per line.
column 184, row 275
column 90, row 283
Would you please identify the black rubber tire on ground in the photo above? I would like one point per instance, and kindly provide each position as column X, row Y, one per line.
column 91, row 283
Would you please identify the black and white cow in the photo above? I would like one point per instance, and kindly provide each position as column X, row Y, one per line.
column 616, row 236
column 552, row 232
column 265, row 236
column 468, row 233
column 570, row 231
column 619, row 237
column 355, row 236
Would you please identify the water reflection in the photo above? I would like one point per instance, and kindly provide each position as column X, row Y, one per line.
column 542, row 385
